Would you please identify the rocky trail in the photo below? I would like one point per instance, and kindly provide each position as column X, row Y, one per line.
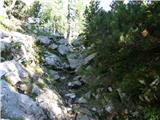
column 40, row 79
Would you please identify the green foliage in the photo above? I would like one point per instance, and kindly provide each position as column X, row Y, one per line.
column 109, row 31
column 41, row 84
column 19, row 10
column 126, row 40
column 52, row 15
column 152, row 113
column 16, row 118
column 22, row 11
column 45, row 15
column 34, row 9
column 11, row 50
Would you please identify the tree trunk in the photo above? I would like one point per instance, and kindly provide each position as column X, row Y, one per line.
column 2, row 11
column 13, row 4
column 9, row 9
column 69, row 20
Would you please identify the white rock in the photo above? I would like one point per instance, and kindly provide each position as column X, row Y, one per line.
column 12, row 78
column 110, row 89
column 14, row 71
column 18, row 105
column 31, row 20
column 52, row 104
column 4, row 34
column 94, row 109
column 2, row 73
column 53, row 60
column 3, row 45
column 89, row 58
column 71, row 95
column 74, row 84
column 15, row 66
column 109, row 108
column 35, row 89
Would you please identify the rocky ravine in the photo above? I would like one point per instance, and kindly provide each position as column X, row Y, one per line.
column 39, row 79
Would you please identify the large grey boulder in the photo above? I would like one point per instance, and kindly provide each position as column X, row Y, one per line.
column 18, row 105
column 63, row 42
column 63, row 49
column 13, row 70
column 52, row 60
column 26, row 40
column 44, row 40
column 74, row 60
column 18, row 44
column 89, row 58
column 3, row 34
column 52, row 104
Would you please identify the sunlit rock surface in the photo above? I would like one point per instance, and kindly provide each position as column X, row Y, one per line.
column 52, row 103
column 18, row 105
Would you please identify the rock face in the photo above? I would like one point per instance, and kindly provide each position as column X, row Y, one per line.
column 14, row 71
column 53, row 60
column 74, row 60
column 37, row 76
column 63, row 49
column 52, row 104
column 63, row 42
column 44, row 40
column 89, row 58
column 18, row 105
column 16, row 45
column 35, row 89
column 2, row 73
